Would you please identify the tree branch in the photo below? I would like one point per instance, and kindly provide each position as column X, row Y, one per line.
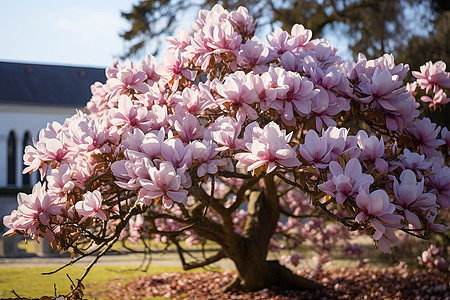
column 241, row 192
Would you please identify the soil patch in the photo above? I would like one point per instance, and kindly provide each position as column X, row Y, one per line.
column 364, row 283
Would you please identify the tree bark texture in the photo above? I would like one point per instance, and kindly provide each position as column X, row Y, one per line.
column 249, row 252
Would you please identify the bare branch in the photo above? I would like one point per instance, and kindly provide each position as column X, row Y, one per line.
column 198, row 264
column 241, row 192
column 229, row 174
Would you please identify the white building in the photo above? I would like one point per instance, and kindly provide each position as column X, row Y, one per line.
column 32, row 95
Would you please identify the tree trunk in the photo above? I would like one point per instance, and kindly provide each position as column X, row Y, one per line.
column 249, row 252
column 256, row 273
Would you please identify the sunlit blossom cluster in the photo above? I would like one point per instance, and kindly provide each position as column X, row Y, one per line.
column 435, row 81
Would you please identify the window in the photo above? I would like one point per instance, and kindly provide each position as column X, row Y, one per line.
column 12, row 158
column 26, row 181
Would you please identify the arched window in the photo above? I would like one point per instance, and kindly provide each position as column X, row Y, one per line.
column 26, row 181
column 12, row 158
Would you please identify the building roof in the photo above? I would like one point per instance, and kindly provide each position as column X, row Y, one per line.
column 37, row 84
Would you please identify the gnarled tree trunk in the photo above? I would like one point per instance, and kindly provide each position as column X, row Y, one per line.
column 249, row 252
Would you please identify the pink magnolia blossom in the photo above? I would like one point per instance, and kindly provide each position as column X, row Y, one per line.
column 49, row 149
column 99, row 100
column 124, row 172
column 139, row 151
column 426, row 134
column 225, row 132
column 413, row 161
column 126, row 79
column 433, row 76
column 44, row 152
column 409, row 194
column 323, row 53
column 281, row 41
column 180, row 41
column 165, row 183
column 174, row 151
column 433, row 258
column 316, row 149
column 133, row 232
column 91, row 206
column 148, row 65
column 205, row 153
column 253, row 54
column 174, row 67
column 151, row 144
column 127, row 116
column 238, row 91
column 343, row 184
column 187, row 127
column 341, row 142
column 371, row 147
column 292, row 62
column 268, row 145
column 378, row 210
column 214, row 34
column 195, row 101
column 380, row 80
column 445, row 135
column 296, row 97
column 439, row 98
column 440, row 182
column 334, row 142
column 326, row 104
column 34, row 209
column 241, row 19
column 60, row 180
column 88, row 134
column 372, row 150
column 302, row 35
column 158, row 116
column 382, row 84
column 154, row 96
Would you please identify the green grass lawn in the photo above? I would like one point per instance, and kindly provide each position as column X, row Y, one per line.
column 28, row 281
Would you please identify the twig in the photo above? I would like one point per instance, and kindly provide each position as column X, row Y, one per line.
column 72, row 261
column 92, row 180
column 228, row 174
column 93, row 262
column 293, row 183
column 241, row 192
column 73, row 283
column 15, row 294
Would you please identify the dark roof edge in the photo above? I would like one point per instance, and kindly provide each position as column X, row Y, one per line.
column 49, row 104
column 41, row 64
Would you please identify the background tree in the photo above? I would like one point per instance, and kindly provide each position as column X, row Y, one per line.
column 370, row 26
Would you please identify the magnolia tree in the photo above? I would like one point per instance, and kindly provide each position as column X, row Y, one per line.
column 252, row 146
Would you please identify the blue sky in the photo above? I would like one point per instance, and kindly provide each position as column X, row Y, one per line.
column 78, row 32
column 81, row 32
